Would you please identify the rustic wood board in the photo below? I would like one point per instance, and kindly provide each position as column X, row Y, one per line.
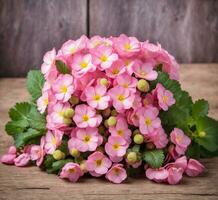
column 200, row 80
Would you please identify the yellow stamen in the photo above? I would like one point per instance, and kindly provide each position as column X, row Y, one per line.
column 53, row 140
column 115, row 71
column 165, row 99
column 116, row 171
column 45, row 102
column 120, row 132
column 125, row 85
column 71, row 171
column 61, row 113
column 85, row 118
column 86, row 139
column 148, row 121
column 64, row 89
column 121, row 97
column 127, row 46
column 98, row 162
column 83, row 64
column 103, row 58
column 116, row 146
column 72, row 50
column 97, row 97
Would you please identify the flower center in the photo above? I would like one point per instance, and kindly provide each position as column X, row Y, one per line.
column 125, row 85
column 98, row 162
column 64, row 89
column 127, row 46
column 115, row 71
column 85, row 118
column 61, row 113
column 83, row 64
column 103, row 58
column 45, row 101
column 72, row 170
column 53, row 140
column 121, row 97
column 86, row 138
column 116, row 171
column 116, row 146
column 165, row 99
column 72, row 50
column 148, row 121
column 97, row 97
column 120, row 132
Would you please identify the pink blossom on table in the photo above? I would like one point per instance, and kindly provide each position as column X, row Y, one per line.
column 121, row 129
column 148, row 120
column 175, row 175
column 145, row 70
column 121, row 98
column 104, row 57
column 85, row 116
column 52, row 141
column 22, row 160
column 63, row 87
column 87, row 139
column 71, row 47
column 116, row 69
column 116, row 174
column 71, row 171
column 181, row 140
column 157, row 175
column 126, row 81
column 97, row 97
column 126, row 46
column 48, row 62
column 165, row 97
column 82, row 64
column 97, row 41
column 9, row 157
column 97, row 162
column 194, row 168
column 116, row 146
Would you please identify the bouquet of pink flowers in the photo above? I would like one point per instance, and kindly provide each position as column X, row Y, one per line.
column 111, row 107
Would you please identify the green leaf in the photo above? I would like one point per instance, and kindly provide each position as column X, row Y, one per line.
column 14, row 127
column 62, row 67
column 154, row 158
column 20, row 111
column 210, row 127
column 200, row 108
column 35, row 82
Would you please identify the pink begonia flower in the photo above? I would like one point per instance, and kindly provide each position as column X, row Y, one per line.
column 97, row 162
column 181, row 140
column 71, row 171
column 97, row 41
column 159, row 138
column 137, row 103
column 85, row 116
column 22, row 160
column 63, row 87
column 104, row 57
column 97, row 97
column 74, row 144
column 148, row 120
column 128, row 65
column 37, row 152
column 122, row 98
column 52, row 141
column 126, row 81
column 150, row 50
column 132, row 117
column 9, row 157
column 116, row 69
column 116, row 174
column 82, row 64
column 71, row 47
column 88, row 139
column 48, row 62
column 42, row 102
column 194, row 168
column 126, row 46
column 116, row 146
column 149, row 100
column 175, row 175
column 165, row 97
column 121, row 129
column 116, row 159
column 157, row 175
column 55, row 118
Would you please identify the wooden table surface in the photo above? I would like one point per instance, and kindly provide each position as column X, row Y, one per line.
column 201, row 80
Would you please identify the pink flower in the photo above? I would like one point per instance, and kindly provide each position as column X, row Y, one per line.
column 22, row 160
column 116, row 174
column 104, row 57
column 116, row 146
column 175, row 175
column 150, row 50
column 42, row 102
column 148, row 120
column 116, row 69
column 126, row 81
column 157, row 175
column 145, row 70
column 194, row 168
column 82, row 64
column 97, row 97
column 71, row 171
column 10, row 156
column 97, row 162
column 122, row 98
column 126, row 46
column 52, row 141
column 180, row 140
column 97, row 41
column 63, row 87
column 165, row 97
column 132, row 117
column 86, row 116
column 128, row 65
column 121, row 129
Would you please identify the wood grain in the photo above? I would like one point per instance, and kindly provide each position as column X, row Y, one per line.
column 30, row 28
column 188, row 29
column 31, row 183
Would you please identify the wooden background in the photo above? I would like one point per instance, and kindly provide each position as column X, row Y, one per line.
column 188, row 29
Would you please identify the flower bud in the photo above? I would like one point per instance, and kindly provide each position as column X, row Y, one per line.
column 75, row 153
column 74, row 100
column 101, row 130
column 106, row 123
column 104, row 82
column 58, row 155
column 201, row 134
column 132, row 157
column 143, row 85
column 68, row 113
column 106, row 113
column 136, row 131
column 111, row 121
column 83, row 166
column 67, row 121
column 138, row 139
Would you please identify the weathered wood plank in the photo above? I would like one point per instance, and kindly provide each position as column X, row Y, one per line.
column 30, row 183
column 188, row 29
column 30, row 28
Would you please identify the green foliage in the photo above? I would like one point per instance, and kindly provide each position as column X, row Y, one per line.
column 62, row 67
column 200, row 108
column 35, row 82
column 154, row 158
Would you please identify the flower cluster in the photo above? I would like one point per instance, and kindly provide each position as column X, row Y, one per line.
column 104, row 108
